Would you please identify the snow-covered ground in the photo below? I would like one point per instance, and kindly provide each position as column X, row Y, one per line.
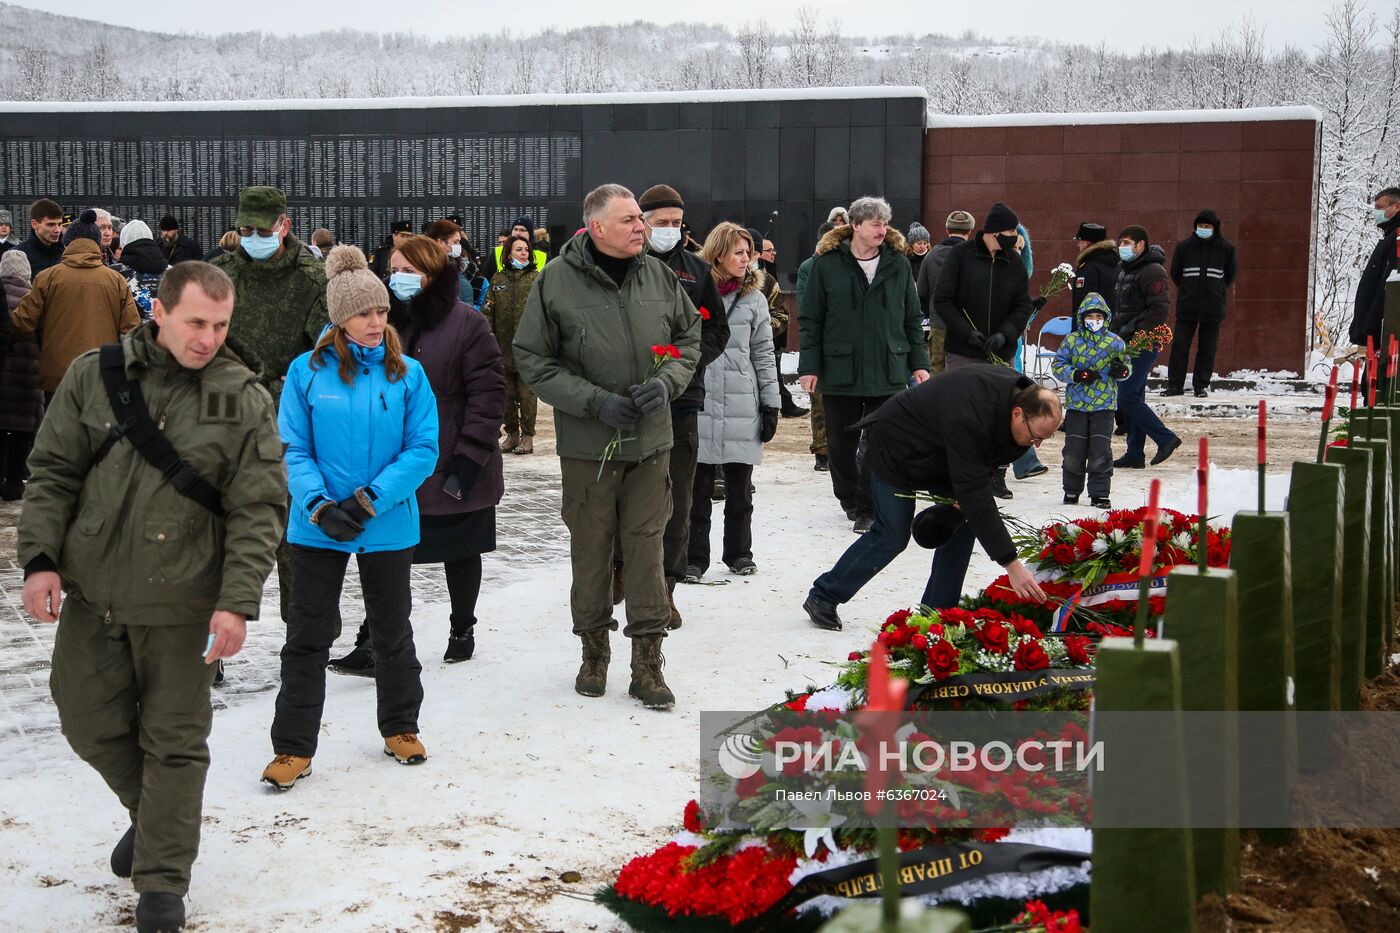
column 525, row 780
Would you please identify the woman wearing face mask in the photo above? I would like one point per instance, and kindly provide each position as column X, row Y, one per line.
column 457, row 503
column 361, row 427
column 450, row 238
column 741, row 405
column 505, row 303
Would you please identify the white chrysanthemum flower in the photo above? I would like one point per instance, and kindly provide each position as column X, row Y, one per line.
column 1117, row 536
column 1182, row 541
column 1100, row 546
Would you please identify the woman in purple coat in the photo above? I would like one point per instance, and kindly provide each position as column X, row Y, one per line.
column 457, row 504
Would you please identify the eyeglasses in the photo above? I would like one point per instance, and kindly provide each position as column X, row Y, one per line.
column 1036, row 438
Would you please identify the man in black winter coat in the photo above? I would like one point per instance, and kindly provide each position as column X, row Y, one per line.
column 44, row 245
column 1368, row 319
column 1142, row 298
column 982, row 294
column 1203, row 268
column 663, row 212
column 174, row 245
column 959, row 229
column 1096, row 268
column 946, row 437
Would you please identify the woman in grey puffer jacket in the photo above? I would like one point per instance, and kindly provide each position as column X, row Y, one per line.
column 741, row 405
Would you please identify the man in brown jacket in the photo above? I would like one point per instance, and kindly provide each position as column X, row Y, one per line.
column 76, row 306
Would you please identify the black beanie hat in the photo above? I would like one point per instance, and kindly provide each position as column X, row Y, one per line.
column 85, row 227
column 168, row 222
column 1000, row 218
column 527, row 222
column 935, row 525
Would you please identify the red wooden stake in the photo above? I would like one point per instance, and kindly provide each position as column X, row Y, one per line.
column 1355, row 382
column 1202, row 500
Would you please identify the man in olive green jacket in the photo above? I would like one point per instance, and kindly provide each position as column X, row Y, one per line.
column 280, row 308
column 862, row 338
column 584, row 345
column 158, row 587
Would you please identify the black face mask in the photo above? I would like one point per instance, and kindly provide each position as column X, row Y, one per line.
column 1007, row 243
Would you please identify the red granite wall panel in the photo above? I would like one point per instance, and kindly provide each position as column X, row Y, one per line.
column 1258, row 175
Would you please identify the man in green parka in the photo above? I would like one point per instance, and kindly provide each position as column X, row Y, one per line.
column 862, row 337
column 151, row 587
column 585, row 346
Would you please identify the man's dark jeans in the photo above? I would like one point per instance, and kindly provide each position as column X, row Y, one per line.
column 888, row 537
column 1132, row 401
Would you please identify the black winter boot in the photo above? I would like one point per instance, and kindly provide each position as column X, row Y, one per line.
column 160, row 912
column 360, row 661
column 124, row 853
column 461, row 642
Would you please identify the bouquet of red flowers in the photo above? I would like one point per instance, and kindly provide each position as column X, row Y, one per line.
column 1157, row 339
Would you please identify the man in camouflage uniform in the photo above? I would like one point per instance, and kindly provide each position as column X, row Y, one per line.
column 505, row 303
column 150, row 588
column 279, row 309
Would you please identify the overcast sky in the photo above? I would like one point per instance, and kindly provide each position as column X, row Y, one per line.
column 1128, row 25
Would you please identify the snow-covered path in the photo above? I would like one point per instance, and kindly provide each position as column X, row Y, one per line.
column 525, row 780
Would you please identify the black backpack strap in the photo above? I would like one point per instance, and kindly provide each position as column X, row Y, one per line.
column 134, row 422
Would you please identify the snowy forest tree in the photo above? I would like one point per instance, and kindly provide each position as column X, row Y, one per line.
column 1352, row 76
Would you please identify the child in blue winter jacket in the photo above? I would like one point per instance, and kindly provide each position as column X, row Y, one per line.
column 1091, row 361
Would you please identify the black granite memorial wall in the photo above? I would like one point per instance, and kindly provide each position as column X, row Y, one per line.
column 356, row 168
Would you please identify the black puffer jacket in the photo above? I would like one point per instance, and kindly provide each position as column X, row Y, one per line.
column 981, row 292
column 1370, row 290
column 927, row 276
column 1142, row 295
column 944, row 436
column 21, row 399
column 698, row 281
column 1096, row 270
column 1203, row 270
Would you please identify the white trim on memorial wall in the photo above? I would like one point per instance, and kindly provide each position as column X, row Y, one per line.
column 872, row 92
column 1241, row 115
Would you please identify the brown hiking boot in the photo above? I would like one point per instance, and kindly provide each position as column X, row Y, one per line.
column 592, row 680
column 286, row 770
column 647, row 683
column 675, row 614
column 619, row 589
column 526, row 445
column 511, row 442
column 405, row 748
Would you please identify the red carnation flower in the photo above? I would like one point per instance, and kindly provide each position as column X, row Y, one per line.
column 704, row 313
column 1064, row 554
column 692, row 817
column 1025, row 626
column 919, row 642
column 751, row 785
column 943, row 660
column 1077, row 647
column 798, row 703
column 899, row 617
column 856, row 656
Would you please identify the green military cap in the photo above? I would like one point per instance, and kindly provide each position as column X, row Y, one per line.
column 260, row 206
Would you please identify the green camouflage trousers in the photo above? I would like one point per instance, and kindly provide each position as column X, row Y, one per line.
column 818, row 417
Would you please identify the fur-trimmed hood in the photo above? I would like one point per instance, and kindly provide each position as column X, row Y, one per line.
column 1109, row 246
column 834, row 238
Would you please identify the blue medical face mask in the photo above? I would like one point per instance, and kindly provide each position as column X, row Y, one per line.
column 1205, row 233
column 1378, row 215
column 518, row 264
column 1094, row 324
column 260, row 247
column 405, row 285
column 1126, row 253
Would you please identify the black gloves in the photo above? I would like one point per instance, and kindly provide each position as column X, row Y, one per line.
column 1120, row 371
column 651, row 397
column 1085, row 376
column 978, row 340
column 767, row 424
column 467, row 471
column 996, row 343
column 335, row 521
column 1039, row 302
column 618, row 411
